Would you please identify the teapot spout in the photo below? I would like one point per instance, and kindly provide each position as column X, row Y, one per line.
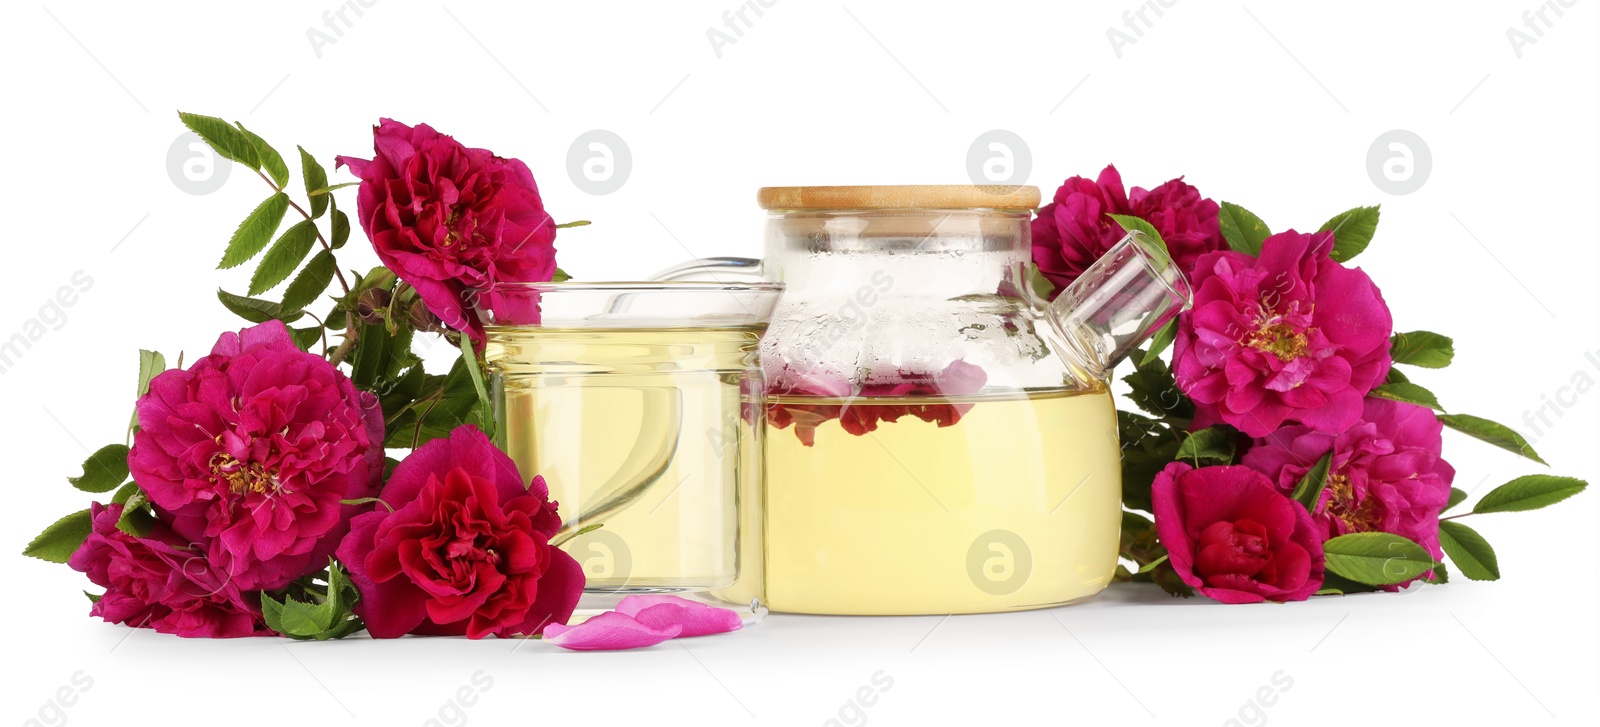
column 1122, row 300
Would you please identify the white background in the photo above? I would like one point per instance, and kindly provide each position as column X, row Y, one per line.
column 1271, row 105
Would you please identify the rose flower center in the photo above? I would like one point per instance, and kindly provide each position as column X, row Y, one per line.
column 1357, row 516
column 1279, row 339
column 242, row 478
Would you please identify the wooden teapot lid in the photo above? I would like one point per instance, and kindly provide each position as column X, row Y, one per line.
column 907, row 196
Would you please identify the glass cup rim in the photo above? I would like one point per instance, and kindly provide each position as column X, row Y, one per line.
column 648, row 286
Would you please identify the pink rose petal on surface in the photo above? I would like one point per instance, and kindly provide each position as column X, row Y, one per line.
column 695, row 619
column 609, row 631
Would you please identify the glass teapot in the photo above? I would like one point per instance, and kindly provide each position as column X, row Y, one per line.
column 938, row 437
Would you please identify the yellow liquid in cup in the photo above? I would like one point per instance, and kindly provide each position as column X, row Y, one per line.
column 1015, row 506
column 642, row 432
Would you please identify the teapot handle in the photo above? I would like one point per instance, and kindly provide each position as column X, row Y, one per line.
column 716, row 269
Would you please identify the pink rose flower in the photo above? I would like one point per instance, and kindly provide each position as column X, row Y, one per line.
column 466, row 549
column 249, row 451
column 1291, row 336
column 161, row 582
column 1385, row 476
column 1233, row 537
column 453, row 222
column 1073, row 231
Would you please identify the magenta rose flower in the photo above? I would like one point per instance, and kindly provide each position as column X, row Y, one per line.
column 453, row 222
column 161, row 582
column 1291, row 336
column 1073, row 231
column 1385, row 475
column 1233, row 537
column 249, row 451
column 466, row 549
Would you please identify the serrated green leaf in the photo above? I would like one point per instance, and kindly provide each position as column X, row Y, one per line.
column 1377, row 559
column 1529, row 492
column 1395, row 376
column 151, row 364
column 125, row 493
column 285, row 256
column 1154, row 390
column 223, row 138
column 1212, row 444
column 272, row 612
column 310, row 283
column 256, row 310
column 306, row 338
column 103, row 471
column 63, row 538
column 1494, row 433
column 339, row 225
column 1409, row 393
column 316, row 178
column 271, row 160
column 255, row 231
column 1456, row 496
column 1148, row 446
column 303, row 619
column 1422, row 348
column 1352, row 231
column 1308, row 491
column 1243, row 231
column 1441, row 574
column 1161, row 341
column 136, row 519
column 1469, row 551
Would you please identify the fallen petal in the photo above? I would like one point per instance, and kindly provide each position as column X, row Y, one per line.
column 609, row 631
column 694, row 619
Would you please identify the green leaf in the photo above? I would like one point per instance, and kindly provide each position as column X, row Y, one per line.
column 125, row 493
column 1456, row 496
column 1441, row 574
column 103, row 471
column 1242, row 229
column 1154, row 390
column 1212, row 444
column 469, row 356
column 380, row 357
column 330, row 189
column 151, row 364
column 306, row 338
column 271, row 160
column 256, row 310
column 1422, row 348
column 1409, row 393
column 284, row 257
column 59, row 541
column 1308, row 491
column 1352, row 231
column 137, row 519
column 1148, row 446
column 1496, row 434
column 1151, row 242
column 1469, row 551
column 223, row 138
column 340, row 225
column 1377, row 559
column 561, row 276
column 310, row 283
column 1529, row 492
column 316, row 178
column 1396, row 377
column 255, row 232
column 1161, row 341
